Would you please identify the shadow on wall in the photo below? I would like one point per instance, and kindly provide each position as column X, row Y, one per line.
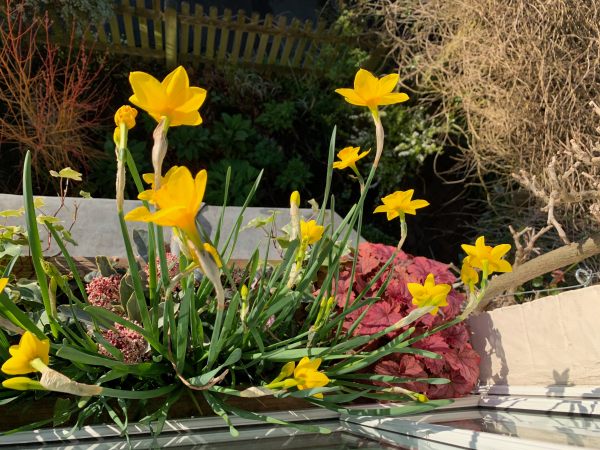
column 487, row 341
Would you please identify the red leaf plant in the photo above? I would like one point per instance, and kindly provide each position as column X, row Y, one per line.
column 459, row 362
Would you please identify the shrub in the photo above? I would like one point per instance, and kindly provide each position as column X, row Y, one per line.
column 51, row 98
column 521, row 75
column 459, row 362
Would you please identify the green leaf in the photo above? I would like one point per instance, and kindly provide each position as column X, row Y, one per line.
column 105, row 267
column 268, row 419
column 138, row 395
column 217, row 407
column 62, row 411
column 142, row 369
column 261, row 221
column 12, row 212
column 34, row 241
column 133, row 309
column 68, row 173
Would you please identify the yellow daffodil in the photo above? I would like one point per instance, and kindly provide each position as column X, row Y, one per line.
column 29, row 349
column 172, row 98
column 429, row 294
column 310, row 232
column 3, row 283
column 400, row 203
column 468, row 274
column 307, row 375
column 372, row 92
column 178, row 201
column 126, row 114
column 303, row 376
column 487, row 258
column 148, row 194
column 348, row 157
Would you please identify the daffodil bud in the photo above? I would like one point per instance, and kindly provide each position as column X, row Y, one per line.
column 126, row 114
column 245, row 306
column 23, row 384
column 295, row 215
column 295, row 198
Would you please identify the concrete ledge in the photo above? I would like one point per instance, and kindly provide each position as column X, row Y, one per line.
column 97, row 229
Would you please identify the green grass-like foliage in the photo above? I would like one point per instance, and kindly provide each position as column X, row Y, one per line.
column 195, row 348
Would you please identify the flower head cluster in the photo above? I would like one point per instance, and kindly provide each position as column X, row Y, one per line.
column 172, row 97
column 104, row 292
column 172, row 264
column 130, row 343
column 400, row 203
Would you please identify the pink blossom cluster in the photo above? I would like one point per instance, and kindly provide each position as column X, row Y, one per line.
column 172, row 264
column 104, row 292
column 130, row 343
column 459, row 362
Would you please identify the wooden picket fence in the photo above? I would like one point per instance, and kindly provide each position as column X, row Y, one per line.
column 195, row 36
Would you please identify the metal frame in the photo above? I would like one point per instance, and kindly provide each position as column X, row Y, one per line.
column 416, row 431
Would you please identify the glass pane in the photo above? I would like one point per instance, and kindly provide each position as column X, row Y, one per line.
column 562, row 429
column 333, row 441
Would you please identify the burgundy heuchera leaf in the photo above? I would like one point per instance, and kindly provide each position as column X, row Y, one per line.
column 459, row 362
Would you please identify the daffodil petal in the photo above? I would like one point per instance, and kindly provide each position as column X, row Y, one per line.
column 393, row 98
column 176, row 85
column 148, row 93
column 139, row 214
column 365, row 81
column 194, row 102
column 500, row 250
column 185, row 118
column 387, row 84
column 351, row 97
column 17, row 365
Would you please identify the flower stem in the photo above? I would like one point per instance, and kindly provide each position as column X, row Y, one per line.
column 379, row 136
column 403, row 234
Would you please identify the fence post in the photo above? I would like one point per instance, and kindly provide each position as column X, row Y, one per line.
column 170, row 33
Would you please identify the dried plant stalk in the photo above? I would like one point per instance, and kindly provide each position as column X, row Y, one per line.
column 521, row 72
column 51, row 97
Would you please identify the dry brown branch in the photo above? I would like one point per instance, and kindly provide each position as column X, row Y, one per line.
column 521, row 73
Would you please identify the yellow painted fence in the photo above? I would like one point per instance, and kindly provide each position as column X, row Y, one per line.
column 197, row 35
